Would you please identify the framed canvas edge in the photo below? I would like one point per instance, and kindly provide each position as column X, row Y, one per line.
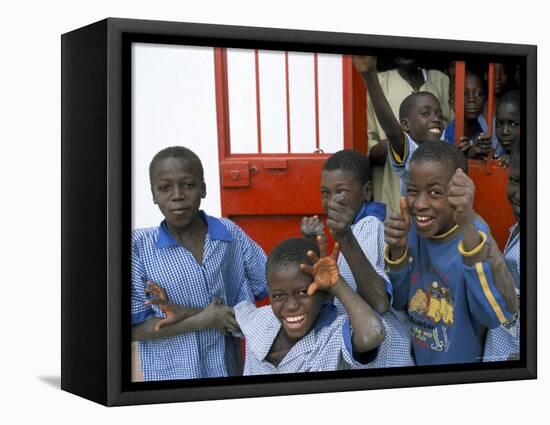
column 117, row 28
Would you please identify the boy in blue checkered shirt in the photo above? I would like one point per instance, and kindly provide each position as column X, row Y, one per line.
column 204, row 264
column 356, row 222
column 302, row 331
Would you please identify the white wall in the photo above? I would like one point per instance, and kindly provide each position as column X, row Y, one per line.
column 173, row 103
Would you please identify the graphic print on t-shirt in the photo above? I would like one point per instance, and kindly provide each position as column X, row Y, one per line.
column 435, row 306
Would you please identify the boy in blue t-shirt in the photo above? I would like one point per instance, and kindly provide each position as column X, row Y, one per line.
column 204, row 264
column 444, row 265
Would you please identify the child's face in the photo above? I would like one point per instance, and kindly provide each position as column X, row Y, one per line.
column 292, row 306
column 473, row 97
column 513, row 186
column 345, row 184
column 500, row 78
column 424, row 121
column 177, row 190
column 429, row 208
column 507, row 125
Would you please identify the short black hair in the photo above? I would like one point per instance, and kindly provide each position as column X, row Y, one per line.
column 352, row 161
column 291, row 251
column 177, row 152
column 410, row 101
column 511, row 97
column 443, row 153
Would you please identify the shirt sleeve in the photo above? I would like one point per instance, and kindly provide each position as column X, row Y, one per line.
column 254, row 263
column 369, row 233
column 139, row 311
column 400, row 166
column 485, row 301
column 400, row 278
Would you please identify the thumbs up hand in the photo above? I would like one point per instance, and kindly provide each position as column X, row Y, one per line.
column 396, row 230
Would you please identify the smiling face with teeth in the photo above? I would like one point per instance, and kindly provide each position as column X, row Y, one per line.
column 429, row 207
column 292, row 306
column 422, row 119
column 178, row 187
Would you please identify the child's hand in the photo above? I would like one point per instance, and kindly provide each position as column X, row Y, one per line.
column 324, row 270
column 396, row 227
column 220, row 317
column 161, row 300
column 460, row 194
column 364, row 63
column 463, row 144
column 312, row 227
column 482, row 145
column 339, row 217
column 504, row 160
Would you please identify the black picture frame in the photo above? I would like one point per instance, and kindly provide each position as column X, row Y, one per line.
column 96, row 210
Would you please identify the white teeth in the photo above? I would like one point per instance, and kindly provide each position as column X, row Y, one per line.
column 295, row 319
column 435, row 130
column 422, row 218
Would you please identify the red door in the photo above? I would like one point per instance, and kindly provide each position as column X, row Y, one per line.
column 267, row 194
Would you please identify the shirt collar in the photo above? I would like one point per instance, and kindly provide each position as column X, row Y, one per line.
column 216, row 231
column 376, row 209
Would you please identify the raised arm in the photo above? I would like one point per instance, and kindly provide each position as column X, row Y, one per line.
column 370, row 286
column 368, row 330
column 366, row 66
column 478, row 247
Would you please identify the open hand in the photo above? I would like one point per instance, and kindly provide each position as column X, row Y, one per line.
column 339, row 217
column 161, row 300
column 364, row 63
column 460, row 194
column 396, row 227
column 324, row 270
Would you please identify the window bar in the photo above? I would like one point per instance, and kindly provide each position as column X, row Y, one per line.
column 287, row 89
column 258, row 111
column 316, row 80
column 460, row 73
column 490, row 110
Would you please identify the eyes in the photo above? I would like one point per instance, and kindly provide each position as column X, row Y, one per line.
column 166, row 187
column 433, row 193
column 280, row 296
column 501, row 123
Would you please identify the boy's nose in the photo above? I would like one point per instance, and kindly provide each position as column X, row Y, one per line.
column 291, row 303
column 421, row 202
column 178, row 193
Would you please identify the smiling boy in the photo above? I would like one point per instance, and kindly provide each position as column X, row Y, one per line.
column 302, row 331
column 204, row 264
column 420, row 119
column 444, row 265
column 507, row 123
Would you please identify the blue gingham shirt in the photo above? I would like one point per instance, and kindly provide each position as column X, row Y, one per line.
column 503, row 342
column 396, row 348
column 233, row 269
column 481, row 126
column 326, row 347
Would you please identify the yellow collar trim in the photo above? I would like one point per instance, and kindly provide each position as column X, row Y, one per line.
column 447, row 233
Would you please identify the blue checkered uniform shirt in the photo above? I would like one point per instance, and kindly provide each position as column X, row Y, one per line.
column 503, row 342
column 396, row 348
column 233, row 269
column 326, row 347
column 400, row 166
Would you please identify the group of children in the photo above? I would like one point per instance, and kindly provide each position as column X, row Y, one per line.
column 422, row 285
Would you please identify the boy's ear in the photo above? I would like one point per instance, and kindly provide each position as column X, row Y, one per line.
column 203, row 190
column 153, row 195
column 405, row 125
column 367, row 191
